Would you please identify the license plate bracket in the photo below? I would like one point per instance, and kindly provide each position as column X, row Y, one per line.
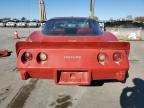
column 73, row 77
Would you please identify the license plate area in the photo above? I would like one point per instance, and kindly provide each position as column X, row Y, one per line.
column 73, row 77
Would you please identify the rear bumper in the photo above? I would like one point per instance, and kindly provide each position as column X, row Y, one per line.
column 68, row 58
column 63, row 76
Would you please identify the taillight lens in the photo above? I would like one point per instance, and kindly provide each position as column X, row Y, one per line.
column 42, row 57
column 27, row 56
column 117, row 57
column 102, row 58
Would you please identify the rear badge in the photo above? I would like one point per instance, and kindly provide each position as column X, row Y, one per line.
column 72, row 57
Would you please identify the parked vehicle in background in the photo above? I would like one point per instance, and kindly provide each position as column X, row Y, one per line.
column 2, row 24
column 33, row 23
column 21, row 24
column 102, row 25
column 11, row 23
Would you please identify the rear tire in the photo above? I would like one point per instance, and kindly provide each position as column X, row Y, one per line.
column 97, row 83
column 126, row 77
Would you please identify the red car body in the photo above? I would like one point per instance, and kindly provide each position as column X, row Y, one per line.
column 73, row 60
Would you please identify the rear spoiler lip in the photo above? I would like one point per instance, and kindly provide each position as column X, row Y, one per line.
column 77, row 45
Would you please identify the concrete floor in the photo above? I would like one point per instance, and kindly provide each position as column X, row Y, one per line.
column 43, row 93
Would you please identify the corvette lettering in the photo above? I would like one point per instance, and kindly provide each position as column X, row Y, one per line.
column 72, row 57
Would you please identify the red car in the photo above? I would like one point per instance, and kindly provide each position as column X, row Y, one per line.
column 72, row 51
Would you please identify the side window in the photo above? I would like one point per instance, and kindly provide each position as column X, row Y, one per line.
column 46, row 26
column 97, row 28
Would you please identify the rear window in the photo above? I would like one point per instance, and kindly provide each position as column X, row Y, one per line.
column 71, row 27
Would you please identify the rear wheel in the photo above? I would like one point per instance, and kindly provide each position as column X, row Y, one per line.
column 97, row 83
column 126, row 76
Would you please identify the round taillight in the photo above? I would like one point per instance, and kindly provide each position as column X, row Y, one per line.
column 42, row 57
column 27, row 56
column 102, row 58
column 117, row 57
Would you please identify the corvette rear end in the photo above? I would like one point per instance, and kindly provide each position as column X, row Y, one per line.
column 72, row 59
